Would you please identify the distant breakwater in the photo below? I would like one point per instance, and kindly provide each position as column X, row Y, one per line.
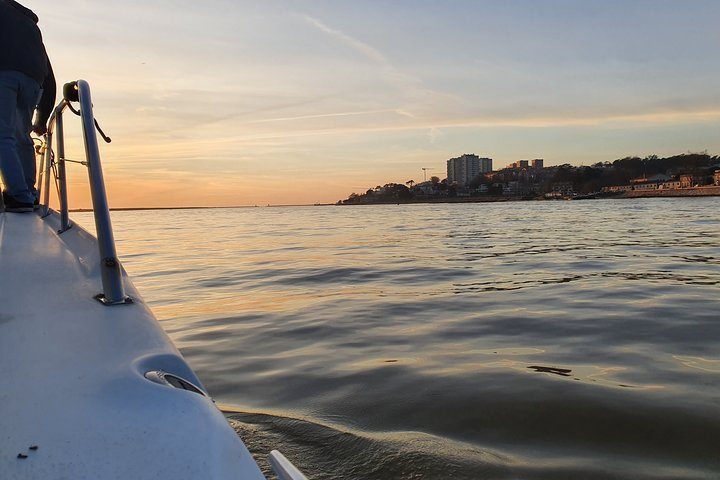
column 708, row 191
column 442, row 200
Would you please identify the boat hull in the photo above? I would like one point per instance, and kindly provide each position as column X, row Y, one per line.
column 75, row 400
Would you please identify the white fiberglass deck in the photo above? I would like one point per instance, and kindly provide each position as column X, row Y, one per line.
column 72, row 374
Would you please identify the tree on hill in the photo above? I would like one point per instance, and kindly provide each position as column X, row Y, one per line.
column 390, row 192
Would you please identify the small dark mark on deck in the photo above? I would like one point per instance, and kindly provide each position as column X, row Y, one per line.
column 390, row 361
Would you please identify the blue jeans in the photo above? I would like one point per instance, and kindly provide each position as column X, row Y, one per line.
column 18, row 97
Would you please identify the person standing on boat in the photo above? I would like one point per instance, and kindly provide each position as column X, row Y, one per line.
column 26, row 82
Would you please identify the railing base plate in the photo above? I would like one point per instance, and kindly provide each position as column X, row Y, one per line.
column 100, row 297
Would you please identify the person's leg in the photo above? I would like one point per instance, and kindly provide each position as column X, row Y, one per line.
column 27, row 100
column 10, row 165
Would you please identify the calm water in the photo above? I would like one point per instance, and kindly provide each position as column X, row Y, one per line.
column 535, row 340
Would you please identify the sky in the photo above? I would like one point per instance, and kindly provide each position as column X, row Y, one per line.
column 232, row 102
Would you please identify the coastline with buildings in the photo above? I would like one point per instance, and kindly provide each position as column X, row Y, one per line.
column 471, row 178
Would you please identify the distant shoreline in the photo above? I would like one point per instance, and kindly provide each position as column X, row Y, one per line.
column 691, row 192
column 124, row 209
column 130, row 209
column 704, row 191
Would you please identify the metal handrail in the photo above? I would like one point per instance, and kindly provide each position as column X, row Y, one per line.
column 110, row 269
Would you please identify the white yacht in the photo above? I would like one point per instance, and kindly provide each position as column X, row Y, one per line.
column 91, row 386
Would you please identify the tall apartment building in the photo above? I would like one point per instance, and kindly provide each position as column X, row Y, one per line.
column 463, row 169
column 537, row 163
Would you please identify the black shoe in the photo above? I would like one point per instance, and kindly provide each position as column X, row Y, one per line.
column 12, row 205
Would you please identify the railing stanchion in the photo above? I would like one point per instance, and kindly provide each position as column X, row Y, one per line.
column 41, row 168
column 113, row 289
column 62, row 178
column 46, row 176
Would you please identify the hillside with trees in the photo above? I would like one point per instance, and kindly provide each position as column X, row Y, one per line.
column 622, row 171
column 529, row 183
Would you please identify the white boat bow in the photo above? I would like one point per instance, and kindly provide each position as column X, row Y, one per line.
column 91, row 386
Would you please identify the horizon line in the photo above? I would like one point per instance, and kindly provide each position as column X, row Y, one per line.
column 203, row 207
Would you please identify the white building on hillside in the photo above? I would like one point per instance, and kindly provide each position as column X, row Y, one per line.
column 463, row 169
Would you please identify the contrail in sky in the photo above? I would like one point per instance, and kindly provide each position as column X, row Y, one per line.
column 357, row 45
column 323, row 115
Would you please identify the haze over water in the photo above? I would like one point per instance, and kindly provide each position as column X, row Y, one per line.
column 533, row 340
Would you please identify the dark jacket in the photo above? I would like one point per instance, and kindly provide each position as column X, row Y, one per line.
column 22, row 50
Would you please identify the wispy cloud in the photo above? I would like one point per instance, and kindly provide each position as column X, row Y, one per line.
column 434, row 134
column 413, row 87
column 357, row 45
column 325, row 115
column 402, row 112
column 223, row 145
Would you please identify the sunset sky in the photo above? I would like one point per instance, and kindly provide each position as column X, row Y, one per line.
column 230, row 102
